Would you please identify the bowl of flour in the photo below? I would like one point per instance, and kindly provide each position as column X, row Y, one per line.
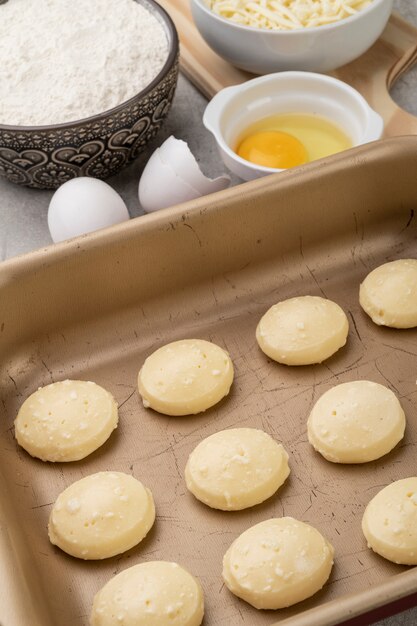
column 85, row 86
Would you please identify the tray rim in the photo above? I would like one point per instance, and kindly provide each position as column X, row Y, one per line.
column 142, row 224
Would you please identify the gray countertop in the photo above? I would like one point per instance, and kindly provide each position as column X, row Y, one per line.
column 23, row 212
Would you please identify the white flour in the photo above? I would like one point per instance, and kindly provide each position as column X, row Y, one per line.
column 63, row 60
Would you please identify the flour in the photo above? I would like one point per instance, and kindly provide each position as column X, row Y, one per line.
column 64, row 60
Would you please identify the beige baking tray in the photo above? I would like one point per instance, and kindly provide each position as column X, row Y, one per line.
column 95, row 307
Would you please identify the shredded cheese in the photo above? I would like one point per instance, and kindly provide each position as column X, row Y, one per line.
column 286, row 14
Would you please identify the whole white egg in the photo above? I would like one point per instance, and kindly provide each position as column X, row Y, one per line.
column 82, row 205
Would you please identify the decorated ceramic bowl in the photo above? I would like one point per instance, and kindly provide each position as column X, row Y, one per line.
column 44, row 157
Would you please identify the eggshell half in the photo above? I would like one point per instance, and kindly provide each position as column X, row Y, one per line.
column 160, row 187
column 187, row 167
column 172, row 176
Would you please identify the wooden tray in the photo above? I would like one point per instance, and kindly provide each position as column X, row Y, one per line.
column 95, row 307
column 372, row 74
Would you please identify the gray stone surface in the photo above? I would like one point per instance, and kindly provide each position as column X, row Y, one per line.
column 23, row 212
column 23, row 225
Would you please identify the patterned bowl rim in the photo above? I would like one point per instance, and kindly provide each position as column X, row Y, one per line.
column 173, row 45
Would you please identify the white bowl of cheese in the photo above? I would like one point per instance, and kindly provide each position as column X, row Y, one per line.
column 293, row 37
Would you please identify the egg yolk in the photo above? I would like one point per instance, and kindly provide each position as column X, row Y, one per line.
column 273, row 148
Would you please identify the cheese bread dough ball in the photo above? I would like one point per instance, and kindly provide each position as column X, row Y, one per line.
column 185, row 377
column 66, row 421
column 101, row 515
column 302, row 331
column 356, row 422
column 237, row 468
column 389, row 294
column 157, row 593
column 277, row 563
column 390, row 522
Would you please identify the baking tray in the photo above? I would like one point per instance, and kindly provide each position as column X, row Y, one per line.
column 95, row 307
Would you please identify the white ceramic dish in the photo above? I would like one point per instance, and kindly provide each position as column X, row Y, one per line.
column 234, row 109
column 318, row 49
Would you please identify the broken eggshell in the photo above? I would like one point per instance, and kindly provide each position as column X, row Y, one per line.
column 172, row 176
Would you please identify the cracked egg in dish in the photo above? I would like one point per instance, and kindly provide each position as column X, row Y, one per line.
column 301, row 116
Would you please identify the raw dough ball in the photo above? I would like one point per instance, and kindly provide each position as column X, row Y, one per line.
column 156, row 593
column 101, row 515
column 66, row 421
column 302, row 331
column 390, row 522
column 389, row 294
column 356, row 422
column 185, row 377
column 237, row 468
column 277, row 563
